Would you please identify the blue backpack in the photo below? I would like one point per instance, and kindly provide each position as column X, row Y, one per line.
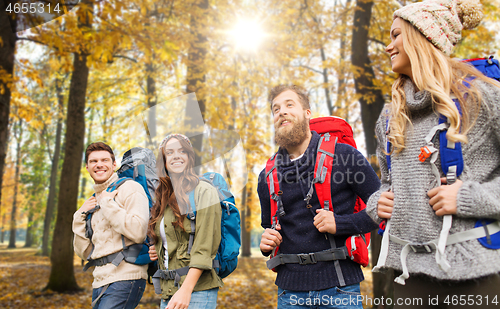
column 138, row 164
column 452, row 162
column 226, row 260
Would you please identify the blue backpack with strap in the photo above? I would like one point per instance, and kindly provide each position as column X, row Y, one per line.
column 226, row 260
column 452, row 162
column 138, row 164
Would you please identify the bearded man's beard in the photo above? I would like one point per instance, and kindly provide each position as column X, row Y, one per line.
column 290, row 137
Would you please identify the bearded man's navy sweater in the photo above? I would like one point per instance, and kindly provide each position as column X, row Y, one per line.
column 352, row 176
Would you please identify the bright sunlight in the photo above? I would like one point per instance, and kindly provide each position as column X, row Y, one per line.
column 248, row 35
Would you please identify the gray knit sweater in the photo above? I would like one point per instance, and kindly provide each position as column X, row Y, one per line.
column 413, row 219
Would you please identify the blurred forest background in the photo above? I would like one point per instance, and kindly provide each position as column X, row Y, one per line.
column 99, row 70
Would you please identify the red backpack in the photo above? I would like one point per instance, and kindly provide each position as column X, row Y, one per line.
column 331, row 130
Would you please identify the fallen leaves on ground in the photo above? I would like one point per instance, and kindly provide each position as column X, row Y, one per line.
column 23, row 275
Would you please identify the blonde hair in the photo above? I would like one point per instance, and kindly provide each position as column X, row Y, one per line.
column 437, row 73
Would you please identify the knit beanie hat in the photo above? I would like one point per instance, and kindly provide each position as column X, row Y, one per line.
column 442, row 21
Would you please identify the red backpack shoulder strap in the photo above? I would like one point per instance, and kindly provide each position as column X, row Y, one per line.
column 274, row 190
column 323, row 170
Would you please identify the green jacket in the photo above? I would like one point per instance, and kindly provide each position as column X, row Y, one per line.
column 206, row 241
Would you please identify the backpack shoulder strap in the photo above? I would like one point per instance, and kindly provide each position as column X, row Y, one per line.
column 192, row 212
column 115, row 185
column 192, row 218
column 323, row 171
column 388, row 143
column 452, row 162
column 322, row 183
column 274, row 190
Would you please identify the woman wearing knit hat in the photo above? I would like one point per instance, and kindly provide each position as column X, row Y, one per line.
column 429, row 212
column 188, row 279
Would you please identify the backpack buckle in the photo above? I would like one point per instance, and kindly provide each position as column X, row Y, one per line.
column 307, row 258
column 420, row 248
column 327, row 137
column 425, row 153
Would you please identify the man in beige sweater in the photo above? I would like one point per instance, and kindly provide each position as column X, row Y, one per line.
column 124, row 211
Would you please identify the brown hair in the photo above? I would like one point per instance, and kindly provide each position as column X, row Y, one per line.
column 301, row 93
column 98, row 146
column 171, row 195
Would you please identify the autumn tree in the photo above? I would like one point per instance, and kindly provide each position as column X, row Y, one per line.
column 196, row 70
column 372, row 101
column 54, row 158
column 34, row 179
column 8, row 40
column 62, row 277
column 18, row 138
column 370, row 96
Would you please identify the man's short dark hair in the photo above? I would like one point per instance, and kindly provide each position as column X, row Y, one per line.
column 98, row 146
column 300, row 91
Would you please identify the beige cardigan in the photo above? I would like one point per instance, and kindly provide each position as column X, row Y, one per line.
column 127, row 215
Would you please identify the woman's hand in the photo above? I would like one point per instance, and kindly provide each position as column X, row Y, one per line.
column 443, row 199
column 385, row 205
column 153, row 256
column 182, row 297
column 180, row 300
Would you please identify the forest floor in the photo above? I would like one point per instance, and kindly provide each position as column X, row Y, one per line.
column 23, row 275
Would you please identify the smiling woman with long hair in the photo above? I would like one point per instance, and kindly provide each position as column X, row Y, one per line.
column 425, row 207
column 194, row 282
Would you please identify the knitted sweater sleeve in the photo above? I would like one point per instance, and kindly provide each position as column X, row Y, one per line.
column 363, row 183
column 371, row 205
column 479, row 197
column 81, row 243
column 265, row 203
column 131, row 220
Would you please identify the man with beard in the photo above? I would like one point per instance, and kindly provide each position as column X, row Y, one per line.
column 302, row 231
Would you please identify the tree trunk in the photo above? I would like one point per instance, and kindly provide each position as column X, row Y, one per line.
column 13, row 214
column 151, row 101
column 51, row 199
column 370, row 110
column 8, row 38
column 341, row 82
column 83, row 193
column 29, row 230
column 325, row 83
column 245, row 223
column 3, row 229
column 195, row 76
column 62, row 277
